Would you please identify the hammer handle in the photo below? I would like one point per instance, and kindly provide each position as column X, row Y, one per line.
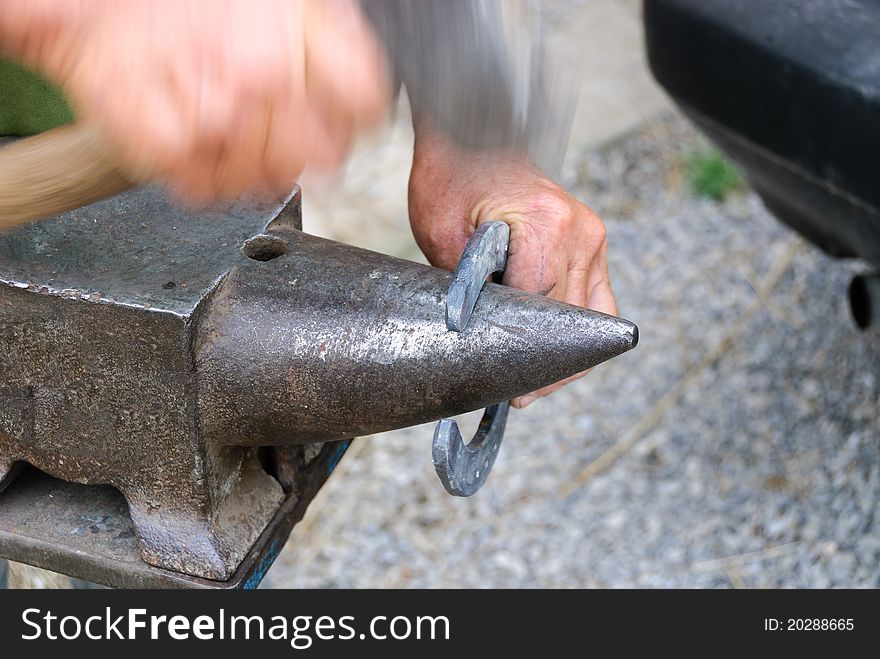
column 56, row 171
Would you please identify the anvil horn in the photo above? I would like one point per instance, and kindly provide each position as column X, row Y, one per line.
column 325, row 341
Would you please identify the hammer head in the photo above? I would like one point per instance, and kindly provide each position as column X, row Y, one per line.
column 481, row 71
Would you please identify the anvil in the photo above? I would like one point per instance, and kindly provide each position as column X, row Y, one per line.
column 197, row 362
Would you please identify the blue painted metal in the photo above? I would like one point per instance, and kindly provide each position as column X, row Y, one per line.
column 253, row 581
column 334, row 459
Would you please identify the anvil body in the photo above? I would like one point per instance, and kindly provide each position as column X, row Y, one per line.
column 189, row 359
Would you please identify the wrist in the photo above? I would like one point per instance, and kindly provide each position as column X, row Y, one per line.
column 437, row 155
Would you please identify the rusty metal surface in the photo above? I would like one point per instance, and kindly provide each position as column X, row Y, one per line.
column 87, row 533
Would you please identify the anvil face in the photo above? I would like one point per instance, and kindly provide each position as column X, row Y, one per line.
column 98, row 384
column 137, row 250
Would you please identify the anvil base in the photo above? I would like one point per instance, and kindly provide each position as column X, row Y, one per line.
column 86, row 532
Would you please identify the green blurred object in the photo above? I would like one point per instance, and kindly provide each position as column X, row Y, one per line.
column 29, row 104
column 711, row 175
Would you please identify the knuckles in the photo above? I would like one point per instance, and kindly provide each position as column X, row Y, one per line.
column 565, row 219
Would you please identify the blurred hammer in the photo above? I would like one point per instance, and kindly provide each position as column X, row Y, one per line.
column 476, row 67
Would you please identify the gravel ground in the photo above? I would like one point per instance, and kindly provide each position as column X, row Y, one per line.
column 738, row 445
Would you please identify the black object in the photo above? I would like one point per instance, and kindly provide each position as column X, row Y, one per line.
column 790, row 89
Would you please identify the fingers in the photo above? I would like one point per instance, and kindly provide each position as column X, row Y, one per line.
column 524, row 401
column 534, row 262
column 221, row 97
column 587, row 283
column 283, row 162
column 328, row 138
column 588, row 286
column 307, row 113
column 40, row 32
column 578, row 290
column 346, row 90
column 601, row 296
column 161, row 141
column 345, row 94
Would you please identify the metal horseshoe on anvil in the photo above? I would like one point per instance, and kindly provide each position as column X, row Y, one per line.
column 463, row 468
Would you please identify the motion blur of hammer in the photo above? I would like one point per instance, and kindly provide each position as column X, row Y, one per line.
column 476, row 67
